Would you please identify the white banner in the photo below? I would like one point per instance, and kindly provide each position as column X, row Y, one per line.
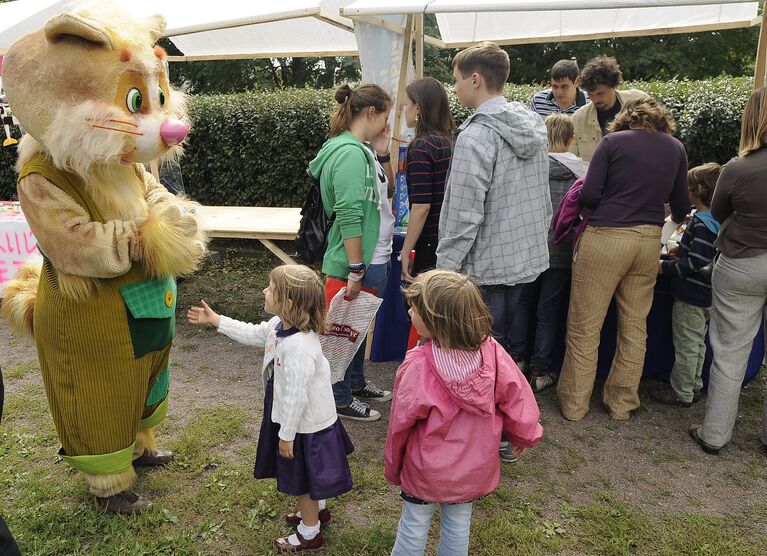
column 380, row 53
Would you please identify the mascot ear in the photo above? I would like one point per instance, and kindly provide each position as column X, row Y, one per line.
column 69, row 24
column 156, row 25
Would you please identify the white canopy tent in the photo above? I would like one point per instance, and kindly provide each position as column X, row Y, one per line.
column 225, row 29
column 465, row 22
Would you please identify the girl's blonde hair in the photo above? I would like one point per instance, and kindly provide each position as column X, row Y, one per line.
column 452, row 309
column 753, row 130
column 351, row 102
column 560, row 129
column 643, row 113
column 299, row 295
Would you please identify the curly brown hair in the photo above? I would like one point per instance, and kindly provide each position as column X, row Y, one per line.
column 643, row 113
column 602, row 70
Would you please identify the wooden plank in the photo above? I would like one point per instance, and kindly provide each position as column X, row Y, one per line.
column 257, row 55
column 271, row 223
column 419, row 46
column 761, row 55
column 278, row 252
column 377, row 21
column 407, row 48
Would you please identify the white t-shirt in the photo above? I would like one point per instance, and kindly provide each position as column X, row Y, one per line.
column 382, row 253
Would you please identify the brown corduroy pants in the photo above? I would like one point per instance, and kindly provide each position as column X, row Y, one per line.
column 608, row 261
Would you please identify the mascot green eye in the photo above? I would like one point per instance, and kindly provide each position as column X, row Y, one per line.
column 134, row 100
column 162, row 98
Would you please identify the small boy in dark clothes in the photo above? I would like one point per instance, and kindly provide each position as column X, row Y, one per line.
column 691, row 289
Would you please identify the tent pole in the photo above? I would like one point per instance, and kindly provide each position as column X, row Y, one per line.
column 761, row 53
column 419, row 46
column 407, row 49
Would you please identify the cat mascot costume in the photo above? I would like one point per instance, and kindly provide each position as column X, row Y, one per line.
column 91, row 91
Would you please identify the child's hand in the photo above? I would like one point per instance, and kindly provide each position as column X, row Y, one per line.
column 286, row 449
column 203, row 315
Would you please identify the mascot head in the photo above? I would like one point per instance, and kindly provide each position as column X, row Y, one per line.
column 91, row 89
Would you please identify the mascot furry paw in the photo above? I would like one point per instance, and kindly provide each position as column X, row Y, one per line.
column 92, row 92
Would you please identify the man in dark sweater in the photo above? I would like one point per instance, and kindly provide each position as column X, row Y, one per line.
column 691, row 289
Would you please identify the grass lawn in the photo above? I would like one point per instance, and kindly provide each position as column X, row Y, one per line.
column 594, row 487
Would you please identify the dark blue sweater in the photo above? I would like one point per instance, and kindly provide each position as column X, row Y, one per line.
column 696, row 250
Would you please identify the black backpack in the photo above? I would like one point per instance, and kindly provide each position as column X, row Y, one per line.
column 312, row 238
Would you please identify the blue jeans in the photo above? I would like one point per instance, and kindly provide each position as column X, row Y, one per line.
column 414, row 523
column 502, row 302
column 545, row 296
column 375, row 277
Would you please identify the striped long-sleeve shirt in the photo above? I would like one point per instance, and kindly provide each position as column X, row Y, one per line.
column 696, row 250
column 428, row 158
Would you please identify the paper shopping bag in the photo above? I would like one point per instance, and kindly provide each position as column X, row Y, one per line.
column 348, row 323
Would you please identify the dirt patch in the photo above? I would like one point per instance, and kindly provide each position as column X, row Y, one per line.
column 647, row 463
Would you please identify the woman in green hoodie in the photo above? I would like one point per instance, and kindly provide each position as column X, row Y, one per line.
column 353, row 182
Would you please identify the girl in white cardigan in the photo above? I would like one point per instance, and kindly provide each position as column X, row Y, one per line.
column 302, row 443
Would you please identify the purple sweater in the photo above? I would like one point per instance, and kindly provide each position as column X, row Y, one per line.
column 630, row 177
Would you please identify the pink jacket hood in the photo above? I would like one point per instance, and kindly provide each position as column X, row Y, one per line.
column 443, row 435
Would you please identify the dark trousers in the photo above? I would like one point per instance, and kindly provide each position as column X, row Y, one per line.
column 8, row 546
column 425, row 257
column 546, row 297
column 502, row 301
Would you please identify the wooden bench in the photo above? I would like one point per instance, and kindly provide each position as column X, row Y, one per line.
column 262, row 223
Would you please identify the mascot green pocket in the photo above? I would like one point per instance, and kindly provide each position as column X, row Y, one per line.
column 151, row 314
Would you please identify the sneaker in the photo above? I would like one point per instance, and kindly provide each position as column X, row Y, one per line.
column 666, row 395
column 372, row 392
column 540, row 379
column 522, row 365
column 505, row 451
column 358, row 411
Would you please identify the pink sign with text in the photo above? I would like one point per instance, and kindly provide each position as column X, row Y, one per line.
column 18, row 246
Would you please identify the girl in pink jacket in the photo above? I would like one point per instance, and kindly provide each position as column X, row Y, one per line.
column 453, row 397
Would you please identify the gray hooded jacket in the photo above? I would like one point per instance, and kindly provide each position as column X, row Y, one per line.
column 497, row 209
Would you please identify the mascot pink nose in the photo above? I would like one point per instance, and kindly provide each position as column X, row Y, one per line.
column 173, row 131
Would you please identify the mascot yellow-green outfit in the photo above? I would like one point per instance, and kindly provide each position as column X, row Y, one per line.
column 92, row 92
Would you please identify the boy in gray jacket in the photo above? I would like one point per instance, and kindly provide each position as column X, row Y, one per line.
column 497, row 209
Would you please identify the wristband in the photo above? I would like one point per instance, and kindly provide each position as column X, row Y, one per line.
column 355, row 276
column 384, row 158
column 356, row 267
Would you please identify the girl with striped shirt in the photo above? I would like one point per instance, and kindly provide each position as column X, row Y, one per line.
column 428, row 158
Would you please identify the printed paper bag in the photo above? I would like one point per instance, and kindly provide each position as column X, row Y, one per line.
column 348, row 323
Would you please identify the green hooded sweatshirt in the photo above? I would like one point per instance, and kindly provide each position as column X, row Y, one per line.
column 349, row 187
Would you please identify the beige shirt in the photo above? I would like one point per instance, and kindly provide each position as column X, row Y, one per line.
column 586, row 124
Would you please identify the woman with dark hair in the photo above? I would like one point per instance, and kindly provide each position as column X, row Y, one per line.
column 635, row 169
column 739, row 281
column 428, row 157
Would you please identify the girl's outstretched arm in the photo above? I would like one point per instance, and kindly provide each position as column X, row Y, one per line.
column 242, row 332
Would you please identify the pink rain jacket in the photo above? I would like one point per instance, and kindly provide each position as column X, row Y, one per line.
column 443, row 437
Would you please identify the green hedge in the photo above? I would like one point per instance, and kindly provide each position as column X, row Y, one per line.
column 253, row 148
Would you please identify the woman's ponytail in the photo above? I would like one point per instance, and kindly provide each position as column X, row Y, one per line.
column 352, row 101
